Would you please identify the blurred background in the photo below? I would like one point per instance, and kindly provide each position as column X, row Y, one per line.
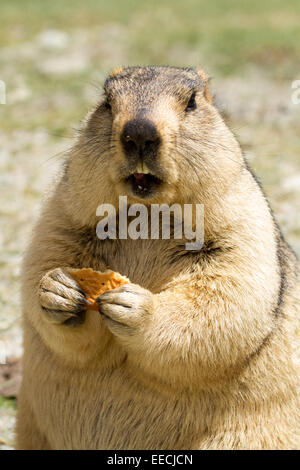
column 54, row 56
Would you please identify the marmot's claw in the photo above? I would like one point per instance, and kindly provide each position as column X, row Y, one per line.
column 61, row 298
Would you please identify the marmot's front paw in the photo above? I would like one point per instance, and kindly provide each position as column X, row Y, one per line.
column 61, row 298
column 126, row 308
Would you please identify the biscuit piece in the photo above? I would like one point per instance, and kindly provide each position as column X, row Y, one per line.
column 95, row 283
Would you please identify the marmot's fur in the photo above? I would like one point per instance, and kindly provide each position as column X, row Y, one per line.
column 199, row 351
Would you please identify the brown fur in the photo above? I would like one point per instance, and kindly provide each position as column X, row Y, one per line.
column 199, row 352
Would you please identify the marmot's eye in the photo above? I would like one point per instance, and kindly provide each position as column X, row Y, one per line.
column 192, row 103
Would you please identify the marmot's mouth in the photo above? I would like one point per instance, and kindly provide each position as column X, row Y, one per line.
column 143, row 184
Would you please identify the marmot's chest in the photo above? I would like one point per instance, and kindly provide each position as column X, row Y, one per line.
column 150, row 263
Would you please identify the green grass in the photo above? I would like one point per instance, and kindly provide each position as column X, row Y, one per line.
column 229, row 35
column 8, row 403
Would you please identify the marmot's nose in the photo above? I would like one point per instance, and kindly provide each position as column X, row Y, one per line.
column 140, row 138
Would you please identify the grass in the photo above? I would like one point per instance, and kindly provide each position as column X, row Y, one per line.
column 228, row 37
column 233, row 33
column 8, row 403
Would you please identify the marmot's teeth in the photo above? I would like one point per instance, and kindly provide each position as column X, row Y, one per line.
column 142, row 168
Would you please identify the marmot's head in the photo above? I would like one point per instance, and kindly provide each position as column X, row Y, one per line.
column 156, row 137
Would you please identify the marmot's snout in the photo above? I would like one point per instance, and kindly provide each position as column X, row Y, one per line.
column 140, row 142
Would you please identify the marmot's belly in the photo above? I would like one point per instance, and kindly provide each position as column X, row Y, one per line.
column 111, row 411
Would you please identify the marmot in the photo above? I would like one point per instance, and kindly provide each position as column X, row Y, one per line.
column 198, row 351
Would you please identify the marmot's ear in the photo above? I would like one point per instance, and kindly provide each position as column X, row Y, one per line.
column 116, row 71
column 205, row 78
